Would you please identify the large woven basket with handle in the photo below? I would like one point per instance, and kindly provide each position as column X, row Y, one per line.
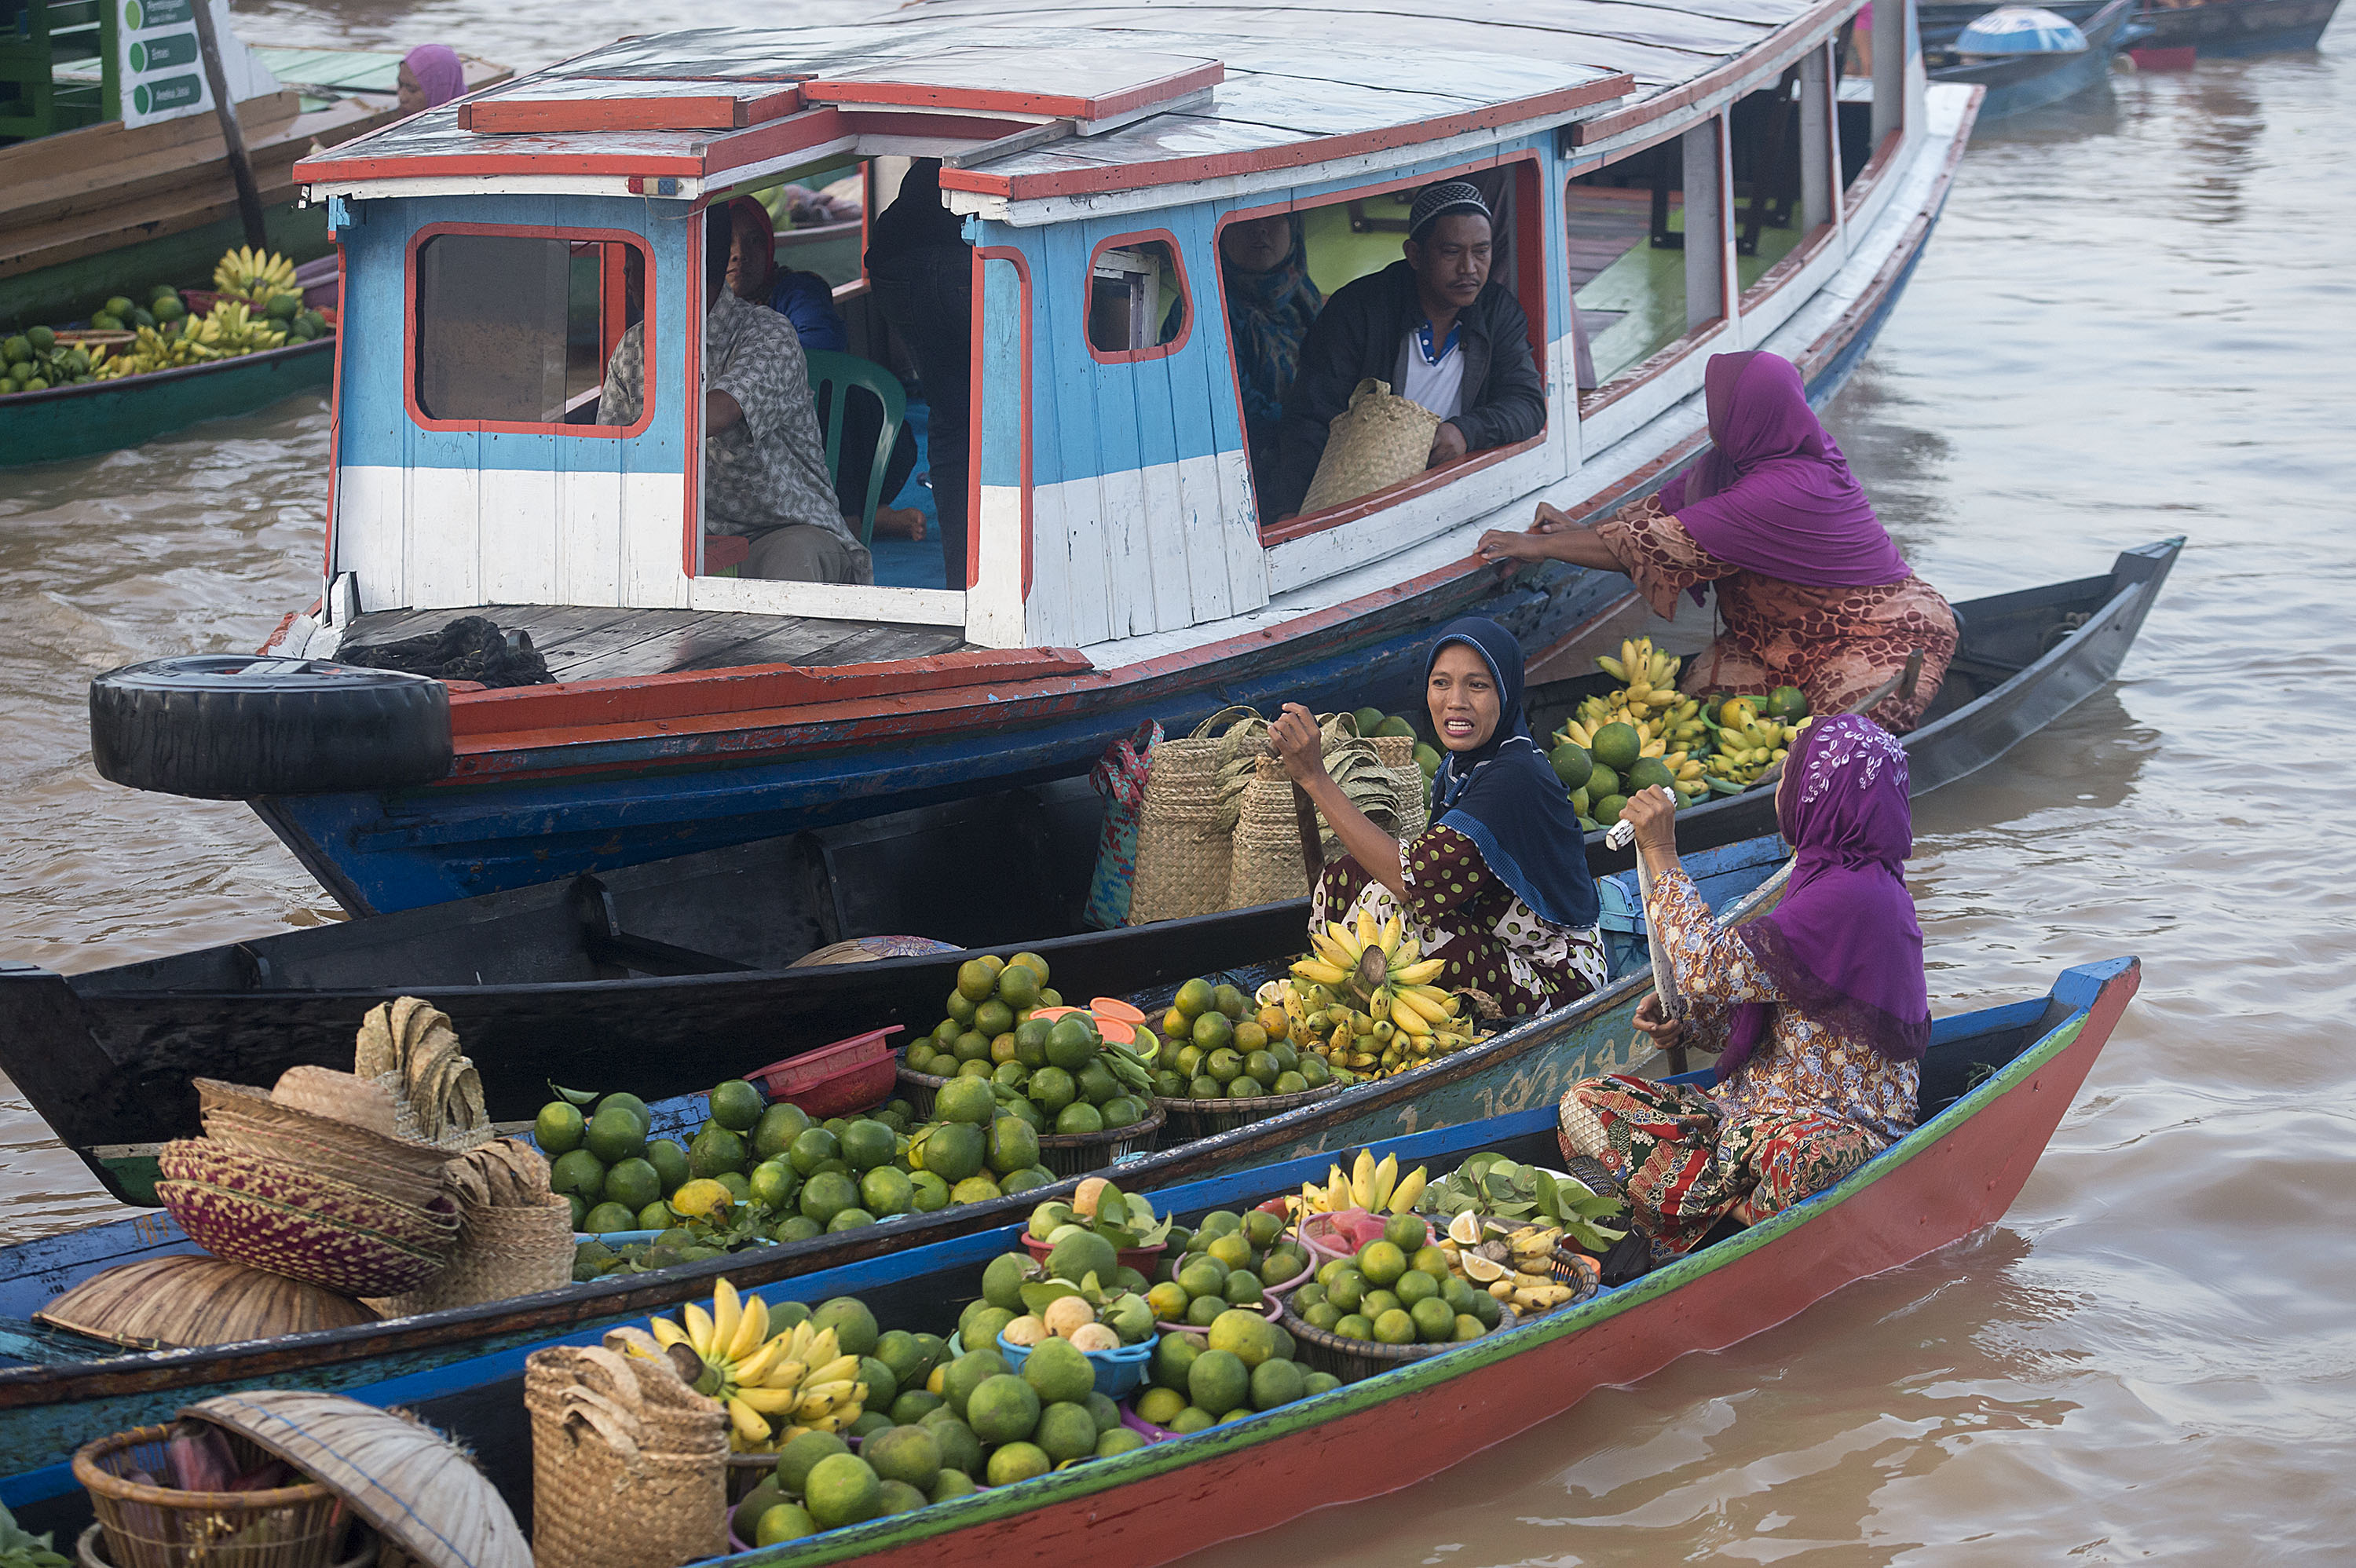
column 1380, row 440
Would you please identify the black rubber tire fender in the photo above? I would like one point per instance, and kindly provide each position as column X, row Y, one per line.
column 232, row 726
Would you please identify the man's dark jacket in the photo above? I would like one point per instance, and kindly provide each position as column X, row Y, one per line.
column 1362, row 332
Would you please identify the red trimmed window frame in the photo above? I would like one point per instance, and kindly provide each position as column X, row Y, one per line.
column 1529, row 263
column 1186, row 295
column 609, row 314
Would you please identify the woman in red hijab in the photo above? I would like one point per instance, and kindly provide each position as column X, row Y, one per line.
column 1811, row 590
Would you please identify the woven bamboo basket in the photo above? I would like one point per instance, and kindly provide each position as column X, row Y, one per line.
column 1267, row 868
column 1182, row 851
column 1192, row 1119
column 422, row 1493
column 626, row 1474
column 1077, row 1154
column 187, row 1299
column 204, row 1162
column 1380, row 440
column 339, row 1096
column 1352, row 1360
column 1409, row 790
column 245, row 1118
column 161, row 1526
column 346, row 1259
column 503, row 1252
column 918, row 1088
column 90, row 1551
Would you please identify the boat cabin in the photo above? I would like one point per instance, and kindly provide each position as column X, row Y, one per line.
column 1668, row 181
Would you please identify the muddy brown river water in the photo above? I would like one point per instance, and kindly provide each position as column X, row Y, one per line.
column 2136, row 321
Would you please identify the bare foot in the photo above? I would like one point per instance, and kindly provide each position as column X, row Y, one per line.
column 899, row 523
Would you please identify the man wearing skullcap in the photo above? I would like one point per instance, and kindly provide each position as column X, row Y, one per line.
column 1435, row 329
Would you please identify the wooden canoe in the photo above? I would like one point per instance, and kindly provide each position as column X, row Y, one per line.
column 1982, row 1133
column 2018, row 83
column 51, row 1385
column 106, row 416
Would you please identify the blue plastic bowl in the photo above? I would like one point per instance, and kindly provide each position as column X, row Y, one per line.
column 1117, row 1371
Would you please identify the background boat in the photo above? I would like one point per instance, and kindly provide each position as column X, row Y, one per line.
column 91, row 207
column 2018, row 83
column 1996, row 1083
column 105, row 416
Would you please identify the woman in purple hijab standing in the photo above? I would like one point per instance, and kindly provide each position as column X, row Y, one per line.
column 431, row 75
column 1811, row 590
column 1817, row 1010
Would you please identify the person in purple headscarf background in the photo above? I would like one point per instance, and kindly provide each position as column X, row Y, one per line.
column 1811, row 590
column 431, row 74
column 1817, row 1010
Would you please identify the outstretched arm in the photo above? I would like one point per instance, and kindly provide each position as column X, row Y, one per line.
column 1552, row 536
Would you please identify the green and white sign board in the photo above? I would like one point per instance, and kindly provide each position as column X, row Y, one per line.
column 162, row 71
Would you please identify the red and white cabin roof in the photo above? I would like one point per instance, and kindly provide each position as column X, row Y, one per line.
column 1122, row 107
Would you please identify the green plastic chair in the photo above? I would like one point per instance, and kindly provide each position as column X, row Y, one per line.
column 832, row 376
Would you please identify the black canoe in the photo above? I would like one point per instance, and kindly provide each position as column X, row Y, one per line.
column 667, row 976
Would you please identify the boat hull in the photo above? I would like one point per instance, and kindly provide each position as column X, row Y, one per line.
column 1959, row 1173
column 104, row 416
column 2229, row 28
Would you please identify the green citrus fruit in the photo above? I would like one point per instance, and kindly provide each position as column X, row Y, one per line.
column 1066, row 1432
column 579, row 1174
column 812, row 1148
column 1059, row 1371
column 976, row 980
column 1218, row 1381
column 736, row 1105
column 780, row 1126
column 841, row 1490
column 633, row 1183
column 955, row 1150
column 559, row 1129
column 714, row 1152
column 866, row 1145
column 886, row 1190
column 827, row 1194
column 970, row 1101
column 613, row 1135
column 609, row 1217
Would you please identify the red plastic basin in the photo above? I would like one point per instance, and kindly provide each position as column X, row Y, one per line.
column 835, row 1080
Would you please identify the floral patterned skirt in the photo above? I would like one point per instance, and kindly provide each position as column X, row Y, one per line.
column 1684, row 1165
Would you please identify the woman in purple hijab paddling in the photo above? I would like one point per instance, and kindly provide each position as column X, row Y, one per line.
column 1817, row 1010
column 1811, row 590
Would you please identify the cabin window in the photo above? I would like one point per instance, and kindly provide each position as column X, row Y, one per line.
column 1280, row 267
column 1138, row 303
column 1870, row 104
column 1781, row 159
column 1644, row 246
column 512, row 330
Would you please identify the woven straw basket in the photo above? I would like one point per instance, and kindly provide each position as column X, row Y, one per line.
column 339, row 1096
column 1182, row 849
column 239, row 1117
column 627, row 1470
column 1077, row 1154
column 1410, row 790
column 1267, row 867
column 187, row 1299
column 429, row 1503
column 1379, row 440
column 162, row 1526
column 502, row 1252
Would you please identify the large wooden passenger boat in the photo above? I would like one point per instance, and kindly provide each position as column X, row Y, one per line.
column 1672, row 181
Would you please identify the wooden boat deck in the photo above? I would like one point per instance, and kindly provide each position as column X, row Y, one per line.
column 603, row 642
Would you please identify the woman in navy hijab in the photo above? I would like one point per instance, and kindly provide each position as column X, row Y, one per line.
column 1498, row 885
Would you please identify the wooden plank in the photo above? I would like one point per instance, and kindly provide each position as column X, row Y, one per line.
column 683, row 638
column 1061, row 344
column 680, row 106
column 794, row 643
column 589, row 523
column 614, row 638
column 1089, row 83
column 883, row 644
column 704, row 694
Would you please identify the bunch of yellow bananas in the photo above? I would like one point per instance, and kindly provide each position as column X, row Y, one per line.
column 148, row 350
column 253, row 275
column 229, row 328
column 1650, row 675
column 1374, row 1187
column 1382, row 969
column 1748, row 744
column 776, row 1387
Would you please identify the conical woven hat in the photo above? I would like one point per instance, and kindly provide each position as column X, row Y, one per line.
column 187, row 1300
